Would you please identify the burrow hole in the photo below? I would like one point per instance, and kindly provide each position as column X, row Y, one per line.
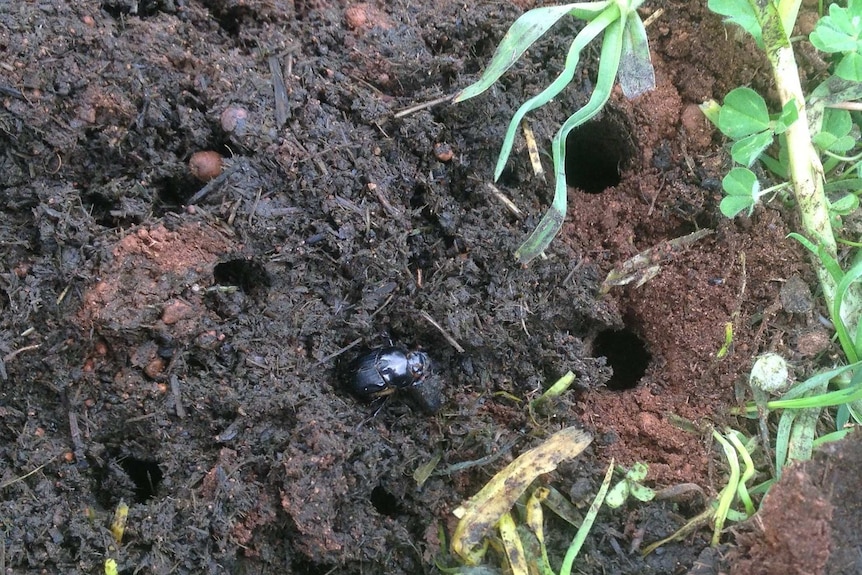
column 248, row 275
column 627, row 355
column 145, row 474
column 384, row 502
column 597, row 153
column 174, row 191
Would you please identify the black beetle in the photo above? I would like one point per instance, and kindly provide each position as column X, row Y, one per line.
column 385, row 370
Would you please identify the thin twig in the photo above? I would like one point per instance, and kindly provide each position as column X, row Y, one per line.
column 62, row 295
column 653, row 17
column 344, row 349
column 477, row 462
column 11, row 355
column 378, row 310
column 420, row 107
column 77, row 442
column 212, row 185
column 13, row 92
column 25, row 476
column 510, row 205
column 852, row 106
column 445, row 333
column 533, row 149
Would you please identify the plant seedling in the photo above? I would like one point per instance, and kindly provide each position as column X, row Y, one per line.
column 630, row 486
column 736, row 487
column 745, row 119
column 624, row 56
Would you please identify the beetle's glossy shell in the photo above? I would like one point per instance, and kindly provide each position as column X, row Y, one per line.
column 385, row 370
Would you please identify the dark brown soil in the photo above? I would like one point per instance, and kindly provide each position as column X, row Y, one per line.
column 177, row 344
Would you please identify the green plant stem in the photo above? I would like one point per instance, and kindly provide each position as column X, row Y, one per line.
column 845, row 159
column 725, row 498
column 806, row 171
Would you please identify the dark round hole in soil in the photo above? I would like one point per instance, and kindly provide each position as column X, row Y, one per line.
column 173, row 192
column 249, row 275
column 384, row 502
column 108, row 213
column 145, row 474
column 627, row 355
column 596, row 154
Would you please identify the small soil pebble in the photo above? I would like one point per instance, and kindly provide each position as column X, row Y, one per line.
column 205, row 165
column 356, row 16
column 812, row 342
column 175, row 310
column 365, row 15
column 234, row 120
column 796, row 296
column 697, row 127
column 155, row 367
column 443, row 152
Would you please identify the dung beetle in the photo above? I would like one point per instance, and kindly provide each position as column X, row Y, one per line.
column 383, row 371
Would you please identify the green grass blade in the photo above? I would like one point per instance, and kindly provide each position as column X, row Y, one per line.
column 816, row 382
column 538, row 241
column 829, row 263
column 589, row 519
column 782, row 439
column 829, row 399
column 528, row 28
column 636, row 74
column 589, row 10
column 553, row 219
column 801, row 443
column 852, row 347
column 584, row 37
column 791, row 399
column 834, row 436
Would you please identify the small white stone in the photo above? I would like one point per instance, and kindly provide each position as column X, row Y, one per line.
column 769, row 373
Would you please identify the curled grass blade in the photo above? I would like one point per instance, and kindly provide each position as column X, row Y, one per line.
column 728, row 493
column 498, row 496
column 584, row 37
column 742, row 489
column 528, row 28
column 553, row 219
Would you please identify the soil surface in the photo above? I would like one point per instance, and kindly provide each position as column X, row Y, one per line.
column 176, row 327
